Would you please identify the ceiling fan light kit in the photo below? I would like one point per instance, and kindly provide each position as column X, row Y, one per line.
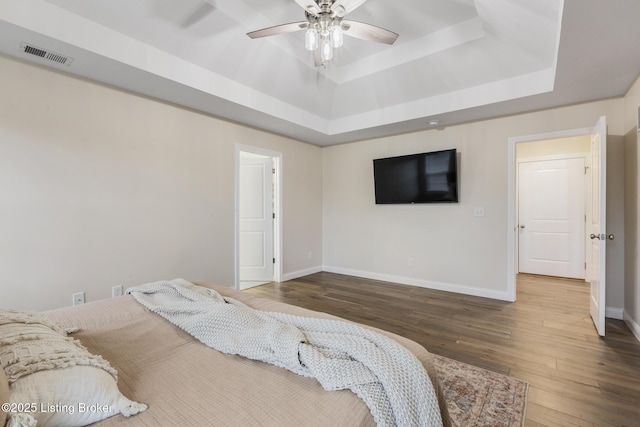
column 324, row 33
column 325, row 28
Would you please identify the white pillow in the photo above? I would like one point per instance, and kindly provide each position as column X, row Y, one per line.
column 54, row 380
column 74, row 396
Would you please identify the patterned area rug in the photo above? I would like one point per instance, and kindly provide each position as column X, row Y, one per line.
column 477, row 397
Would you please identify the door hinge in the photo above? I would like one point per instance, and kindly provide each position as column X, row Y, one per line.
column 274, row 170
column 274, row 216
column 585, row 169
column 585, row 265
column 274, row 260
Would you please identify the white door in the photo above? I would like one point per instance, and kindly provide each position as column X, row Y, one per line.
column 551, row 217
column 255, row 220
column 596, row 219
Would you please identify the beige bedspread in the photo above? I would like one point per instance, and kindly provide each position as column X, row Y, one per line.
column 185, row 382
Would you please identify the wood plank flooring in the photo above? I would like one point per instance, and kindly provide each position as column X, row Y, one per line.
column 546, row 338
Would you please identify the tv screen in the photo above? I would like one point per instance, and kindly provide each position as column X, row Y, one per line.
column 417, row 178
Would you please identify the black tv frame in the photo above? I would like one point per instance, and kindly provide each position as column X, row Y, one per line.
column 406, row 179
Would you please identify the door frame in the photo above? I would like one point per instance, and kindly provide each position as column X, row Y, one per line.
column 512, row 172
column 587, row 161
column 277, row 209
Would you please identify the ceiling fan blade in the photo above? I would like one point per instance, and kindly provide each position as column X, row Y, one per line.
column 200, row 13
column 369, row 32
column 279, row 29
column 310, row 6
column 342, row 7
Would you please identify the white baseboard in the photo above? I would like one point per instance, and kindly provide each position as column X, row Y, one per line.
column 459, row 289
column 300, row 273
column 614, row 313
column 633, row 326
column 250, row 284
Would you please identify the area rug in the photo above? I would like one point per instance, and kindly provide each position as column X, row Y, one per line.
column 477, row 397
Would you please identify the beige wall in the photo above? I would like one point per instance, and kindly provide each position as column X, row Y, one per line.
column 100, row 187
column 632, row 205
column 451, row 248
column 552, row 147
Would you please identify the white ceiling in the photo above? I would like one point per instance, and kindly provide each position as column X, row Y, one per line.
column 455, row 60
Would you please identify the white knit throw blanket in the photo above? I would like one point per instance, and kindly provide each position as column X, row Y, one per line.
column 340, row 355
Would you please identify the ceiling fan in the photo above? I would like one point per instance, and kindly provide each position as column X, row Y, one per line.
column 325, row 27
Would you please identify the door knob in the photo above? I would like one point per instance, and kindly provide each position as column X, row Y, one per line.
column 602, row 236
column 521, row 225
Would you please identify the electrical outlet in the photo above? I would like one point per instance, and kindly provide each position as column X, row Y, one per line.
column 310, row 254
column 78, row 298
column 478, row 212
column 116, row 291
column 411, row 263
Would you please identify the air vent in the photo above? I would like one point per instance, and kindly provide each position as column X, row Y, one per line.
column 46, row 54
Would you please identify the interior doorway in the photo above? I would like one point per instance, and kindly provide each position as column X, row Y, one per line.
column 258, row 225
column 595, row 220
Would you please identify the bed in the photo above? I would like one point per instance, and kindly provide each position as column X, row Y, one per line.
column 184, row 382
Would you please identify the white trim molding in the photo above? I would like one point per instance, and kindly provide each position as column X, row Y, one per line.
column 459, row 289
column 301, row 273
column 614, row 313
column 633, row 326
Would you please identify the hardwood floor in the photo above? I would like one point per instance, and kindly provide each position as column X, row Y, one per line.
column 546, row 338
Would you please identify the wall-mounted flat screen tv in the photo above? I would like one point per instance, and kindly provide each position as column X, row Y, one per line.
column 417, row 178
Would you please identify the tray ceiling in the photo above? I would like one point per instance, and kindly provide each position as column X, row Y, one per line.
column 455, row 60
